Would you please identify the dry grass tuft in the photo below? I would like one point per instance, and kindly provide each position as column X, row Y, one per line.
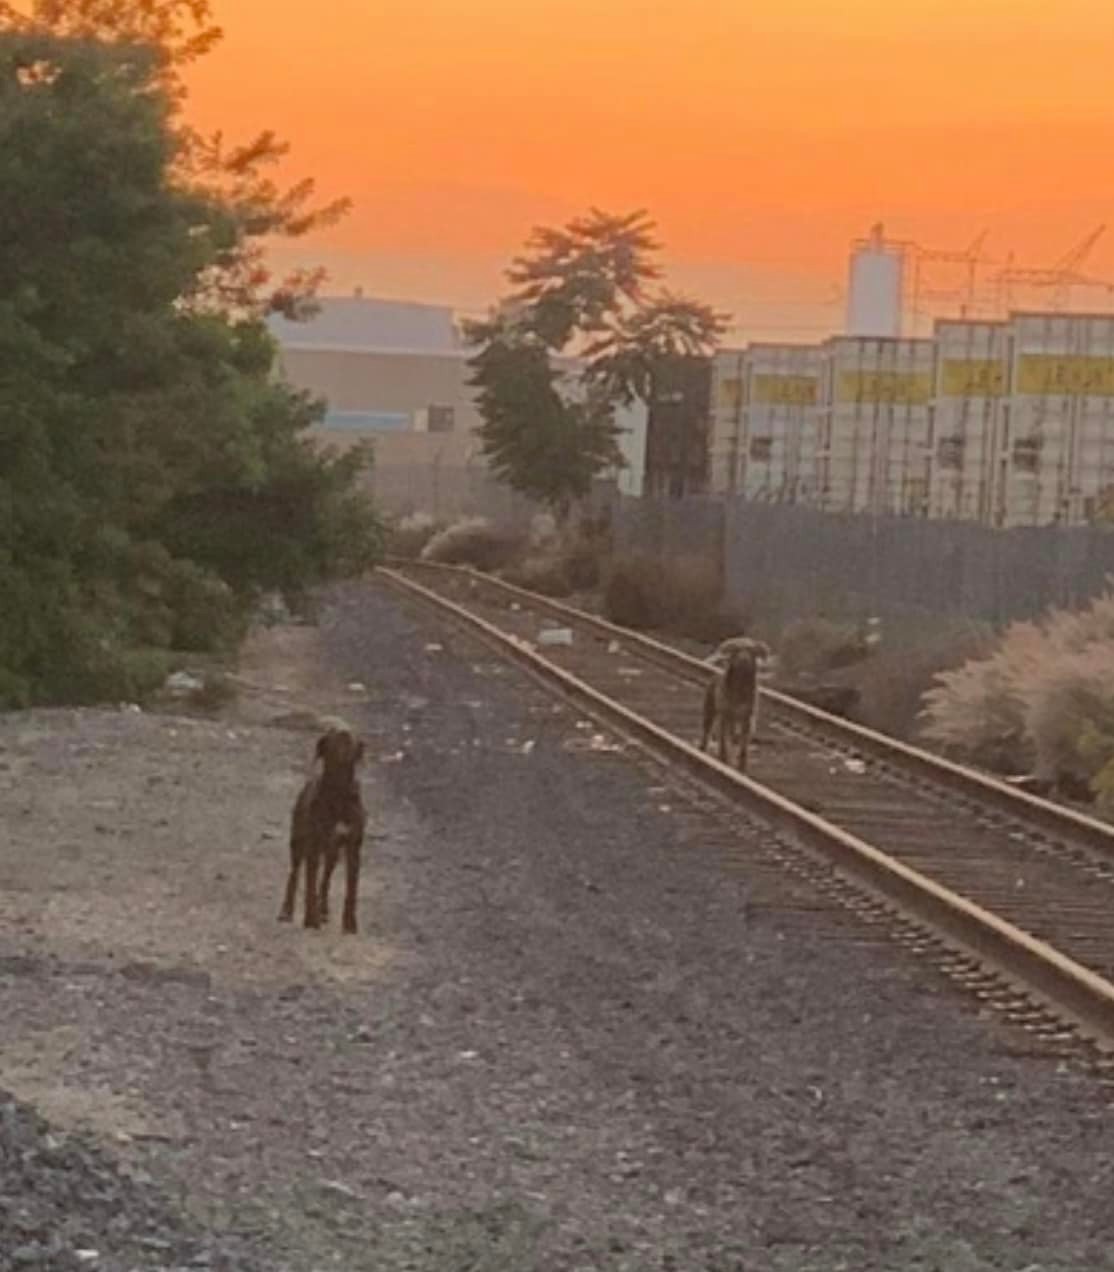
column 680, row 596
column 473, row 541
column 1044, row 698
column 407, row 536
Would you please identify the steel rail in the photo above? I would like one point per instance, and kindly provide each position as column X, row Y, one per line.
column 1073, row 990
column 1052, row 819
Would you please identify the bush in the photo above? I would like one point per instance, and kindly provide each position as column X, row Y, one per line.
column 557, row 566
column 680, row 596
column 217, row 692
column 112, row 675
column 543, row 537
column 545, row 574
column 893, row 681
column 407, row 536
column 158, row 474
column 1044, row 698
column 631, row 593
column 813, row 646
column 473, row 541
column 208, row 616
column 583, row 567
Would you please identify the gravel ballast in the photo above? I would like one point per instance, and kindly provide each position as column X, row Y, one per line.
column 574, row 1032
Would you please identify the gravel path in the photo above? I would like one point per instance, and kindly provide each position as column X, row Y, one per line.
column 574, row 1032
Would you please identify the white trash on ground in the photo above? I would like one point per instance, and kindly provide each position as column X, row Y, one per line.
column 183, row 682
column 555, row 636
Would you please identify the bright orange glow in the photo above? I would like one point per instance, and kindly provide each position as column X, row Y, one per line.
column 761, row 136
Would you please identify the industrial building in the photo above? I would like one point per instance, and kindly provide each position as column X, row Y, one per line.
column 1005, row 423
column 396, row 373
column 385, row 369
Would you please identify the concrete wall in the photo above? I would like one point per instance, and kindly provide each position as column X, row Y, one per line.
column 387, row 382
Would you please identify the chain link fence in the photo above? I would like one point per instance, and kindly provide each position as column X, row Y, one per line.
column 785, row 561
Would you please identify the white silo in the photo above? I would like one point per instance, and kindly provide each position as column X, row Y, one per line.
column 874, row 288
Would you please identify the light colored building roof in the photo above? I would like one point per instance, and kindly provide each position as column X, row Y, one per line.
column 361, row 324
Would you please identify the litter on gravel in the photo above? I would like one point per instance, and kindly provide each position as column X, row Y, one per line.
column 555, row 636
column 183, row 682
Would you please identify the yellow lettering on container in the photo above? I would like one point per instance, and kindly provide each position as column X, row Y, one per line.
column 972, row 377
column 1065, row 375
column 730, row 392
column 897, row 388
column 783, row 390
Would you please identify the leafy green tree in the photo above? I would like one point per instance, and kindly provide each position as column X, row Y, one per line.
column 623, row 358
column 238, row 278
column 537, row 439
column 578, row 278
column 183, row 29
column 581, row 290
column 137, row 393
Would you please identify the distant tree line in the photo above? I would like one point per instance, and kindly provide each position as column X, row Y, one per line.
column 155, row 475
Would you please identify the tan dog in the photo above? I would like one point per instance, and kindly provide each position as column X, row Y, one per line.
column 731, row 699
column 328, row 817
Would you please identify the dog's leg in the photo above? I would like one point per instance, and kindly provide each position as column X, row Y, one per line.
column 312, row 917
column 709, row 716
column 352, row 845
column 297, row 851
column 331, row 855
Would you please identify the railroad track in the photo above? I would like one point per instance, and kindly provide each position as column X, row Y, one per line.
column 1012, row 896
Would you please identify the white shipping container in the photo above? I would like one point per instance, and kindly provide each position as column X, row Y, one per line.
column 1058, row 444
column 777, row 458
column 874, row 450
column 968, row 417
column 725, row 434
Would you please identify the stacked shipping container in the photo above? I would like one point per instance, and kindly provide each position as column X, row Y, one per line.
column 968, row 417
column 779, row 444
column 726, row 425
column 1059, row 452
column 764, row 421
column 1005, row 423
column 874, row 425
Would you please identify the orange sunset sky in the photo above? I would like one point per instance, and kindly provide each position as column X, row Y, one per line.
column 761, row 136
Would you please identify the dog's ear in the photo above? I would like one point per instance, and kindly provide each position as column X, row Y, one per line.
column 359, row 754
column 321, row 751
column 718, row 657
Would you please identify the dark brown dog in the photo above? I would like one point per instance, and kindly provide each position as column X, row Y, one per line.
column 328, row 817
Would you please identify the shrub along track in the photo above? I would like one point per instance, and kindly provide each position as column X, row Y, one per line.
column 1010, row 895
